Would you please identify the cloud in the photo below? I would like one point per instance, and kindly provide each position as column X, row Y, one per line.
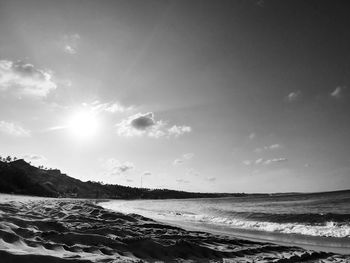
column 34, row 158
column 115, row 167
column 116, row 107
column 55, row 128
column 109, row 107
column 258, row 161
column 25, row 79
column 275, row 160
column 338, row 92
column 69, row 49
column 247, row 162
column 185, row 157
column 178, row 161
column 13, row 129
column 144, row 124
column 182, row 181
column 147, row 173
column 179, row 130
column 211, row 179
column 252, row 136
column 188, row 156
column 70, row 43
column 275, row 146
column 123, row 167
column 140, row 124
column 294, row 96
column 261, row 161
column 129, row 180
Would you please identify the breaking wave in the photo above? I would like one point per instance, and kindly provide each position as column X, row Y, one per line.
column 313, row 225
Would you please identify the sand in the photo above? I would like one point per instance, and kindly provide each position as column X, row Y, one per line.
column 60, row 230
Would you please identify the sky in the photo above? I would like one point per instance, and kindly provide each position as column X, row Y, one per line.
column 210, row 96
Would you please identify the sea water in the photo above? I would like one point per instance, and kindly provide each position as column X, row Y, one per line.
column 325, row 215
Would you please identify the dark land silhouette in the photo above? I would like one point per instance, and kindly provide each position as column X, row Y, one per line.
column 20, row 177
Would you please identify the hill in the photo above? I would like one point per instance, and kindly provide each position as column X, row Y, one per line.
column 19, row 177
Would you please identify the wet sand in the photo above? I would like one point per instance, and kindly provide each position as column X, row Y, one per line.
column 60, row 230
column 325, row 244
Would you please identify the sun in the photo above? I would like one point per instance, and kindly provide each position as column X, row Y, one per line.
column 83, row 124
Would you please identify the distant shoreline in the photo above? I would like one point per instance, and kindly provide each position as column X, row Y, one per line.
column 21, row 178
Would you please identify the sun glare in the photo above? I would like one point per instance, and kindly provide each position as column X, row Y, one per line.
column 83, row 124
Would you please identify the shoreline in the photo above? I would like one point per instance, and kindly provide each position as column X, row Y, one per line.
column 41, row 230
column 292, row 240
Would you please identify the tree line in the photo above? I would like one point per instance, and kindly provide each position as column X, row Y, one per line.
column 9, row 159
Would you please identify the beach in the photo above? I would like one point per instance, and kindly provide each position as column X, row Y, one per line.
column 67, row 230
column 174, row 131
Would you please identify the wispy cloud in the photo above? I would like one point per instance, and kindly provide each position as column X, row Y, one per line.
column 55, row 128
column 294, row 96
column 211, row 179
column 252, row 136
column 144, row 124
column 35, row 158
column 275, row 160
column 275, row 146
column 178, row 161
column 262, row 161
column 24, row 79
column 185, row 157
column 70, row 43
column 338, row 92
column 13, row 129
column 188, row 156
column 182, row 181
column 247, row 162
column 258, row 161
column 110, row 107
column 116, row 167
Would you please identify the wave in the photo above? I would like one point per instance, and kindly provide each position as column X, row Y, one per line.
column 323, row 229
column 309, row 218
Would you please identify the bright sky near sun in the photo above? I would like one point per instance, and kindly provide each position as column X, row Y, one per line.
column 214, row 96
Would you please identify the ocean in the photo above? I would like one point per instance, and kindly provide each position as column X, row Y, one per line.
column 315, row 218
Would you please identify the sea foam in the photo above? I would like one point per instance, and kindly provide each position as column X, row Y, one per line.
column 328, row 229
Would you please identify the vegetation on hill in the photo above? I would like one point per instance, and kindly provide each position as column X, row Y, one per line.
column 19, row 177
